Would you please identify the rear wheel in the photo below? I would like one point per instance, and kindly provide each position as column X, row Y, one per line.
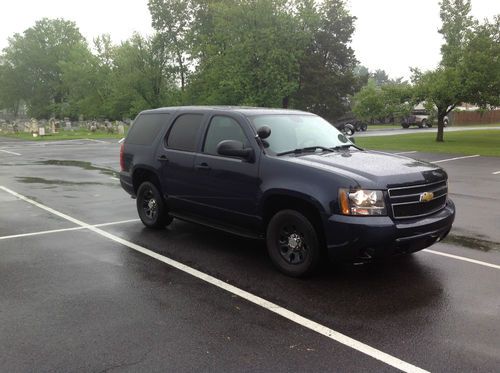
column 422, row 124
column 405, row 125
column 348, row 129
column 293, row 243
column 151, row 207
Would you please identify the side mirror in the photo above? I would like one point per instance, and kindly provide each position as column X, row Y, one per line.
column 264, row 132
column 233, row 148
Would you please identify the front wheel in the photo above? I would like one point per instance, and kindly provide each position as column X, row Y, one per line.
column 293, row 243
column 151, row 207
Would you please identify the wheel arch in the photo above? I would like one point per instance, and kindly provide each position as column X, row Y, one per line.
column 278, row 200
column 141, row 174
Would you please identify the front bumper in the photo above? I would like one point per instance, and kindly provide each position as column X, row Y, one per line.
column 365, row 238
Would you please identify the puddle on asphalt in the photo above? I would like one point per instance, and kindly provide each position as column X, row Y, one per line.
column 472, row 243
column 40, row 180
column 81, row 164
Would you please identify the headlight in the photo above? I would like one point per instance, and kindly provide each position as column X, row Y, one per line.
column 362, row 202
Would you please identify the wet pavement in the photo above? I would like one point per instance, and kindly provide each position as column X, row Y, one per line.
column 74, row 300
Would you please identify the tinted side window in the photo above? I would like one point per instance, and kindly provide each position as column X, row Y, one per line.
column 145, row 129
column 184, row 132
column 222, row 128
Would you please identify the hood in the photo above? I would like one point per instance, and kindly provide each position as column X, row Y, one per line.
column 373, row 169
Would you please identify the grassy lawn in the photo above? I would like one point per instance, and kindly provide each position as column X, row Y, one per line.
column 374, row 127
column 483, row 142
column 65, row 135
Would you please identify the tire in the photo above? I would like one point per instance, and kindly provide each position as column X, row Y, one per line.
column 151, row 206
column 405, row 125
column 445, row 123
column 429, row 124
column 364, row 127
column 348, row 130
column 292, row 243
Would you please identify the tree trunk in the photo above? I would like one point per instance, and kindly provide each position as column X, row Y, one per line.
column 440, row 134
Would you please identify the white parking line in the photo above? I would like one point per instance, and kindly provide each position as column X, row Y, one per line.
column 462, row 258
column 272, row 307
column 114, row 178
column 456, row 158
column 65, row 229
column 6, row 151
column 496, row 173
column 410, row 152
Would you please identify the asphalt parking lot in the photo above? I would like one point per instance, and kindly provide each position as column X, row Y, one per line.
column 85, row 287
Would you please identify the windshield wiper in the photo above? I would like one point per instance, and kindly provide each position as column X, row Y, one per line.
column 307, row 149
column 345, row 146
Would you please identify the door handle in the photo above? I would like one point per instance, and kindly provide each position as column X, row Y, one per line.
column 163, row 158
column 202, row 166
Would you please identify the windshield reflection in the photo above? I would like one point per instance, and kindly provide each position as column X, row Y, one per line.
column 298, row 131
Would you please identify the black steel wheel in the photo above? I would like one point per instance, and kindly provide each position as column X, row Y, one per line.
column 151, row 207
column 292, row 243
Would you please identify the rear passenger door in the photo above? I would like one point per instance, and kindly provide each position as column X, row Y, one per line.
column 176, row 155
column 228, row 186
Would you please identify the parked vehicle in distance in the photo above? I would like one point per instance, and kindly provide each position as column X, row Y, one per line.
column 420, row 118
column 288, row 177
column 348, row 124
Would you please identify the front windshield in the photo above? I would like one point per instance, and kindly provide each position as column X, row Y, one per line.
column 297, row 131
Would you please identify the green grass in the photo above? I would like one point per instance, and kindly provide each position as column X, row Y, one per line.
column 64, row 135
column 483, row 142
column 374, row 127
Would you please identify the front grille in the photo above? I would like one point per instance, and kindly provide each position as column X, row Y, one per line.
column 405, row 201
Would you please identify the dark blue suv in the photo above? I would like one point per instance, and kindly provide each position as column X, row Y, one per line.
column 285, row 176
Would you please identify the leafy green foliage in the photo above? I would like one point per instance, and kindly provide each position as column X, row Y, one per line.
column 274, row 53
column 326, row 69
column 391, row 100
column 469, row 69
column 249, row 54
column 35, row 59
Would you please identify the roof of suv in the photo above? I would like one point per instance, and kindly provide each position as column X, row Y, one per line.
column 245, row 110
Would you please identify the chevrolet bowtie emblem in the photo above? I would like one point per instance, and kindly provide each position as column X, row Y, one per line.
column 426, row 197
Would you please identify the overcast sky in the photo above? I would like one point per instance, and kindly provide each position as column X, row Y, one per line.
column 393, row 35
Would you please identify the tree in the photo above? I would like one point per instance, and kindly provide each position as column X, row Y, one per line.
column 33, row 59
column 368, row 102
column 469, row 69
column 141, row 77
column 326, row 70
column 380, row 77
column 388, row 101
column 11, row 91
column 86, row 78
column 247, row 53
column 173, row 20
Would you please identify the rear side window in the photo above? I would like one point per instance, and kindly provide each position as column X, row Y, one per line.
column 184, row 132
column 146, row 128
column 222, row 128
